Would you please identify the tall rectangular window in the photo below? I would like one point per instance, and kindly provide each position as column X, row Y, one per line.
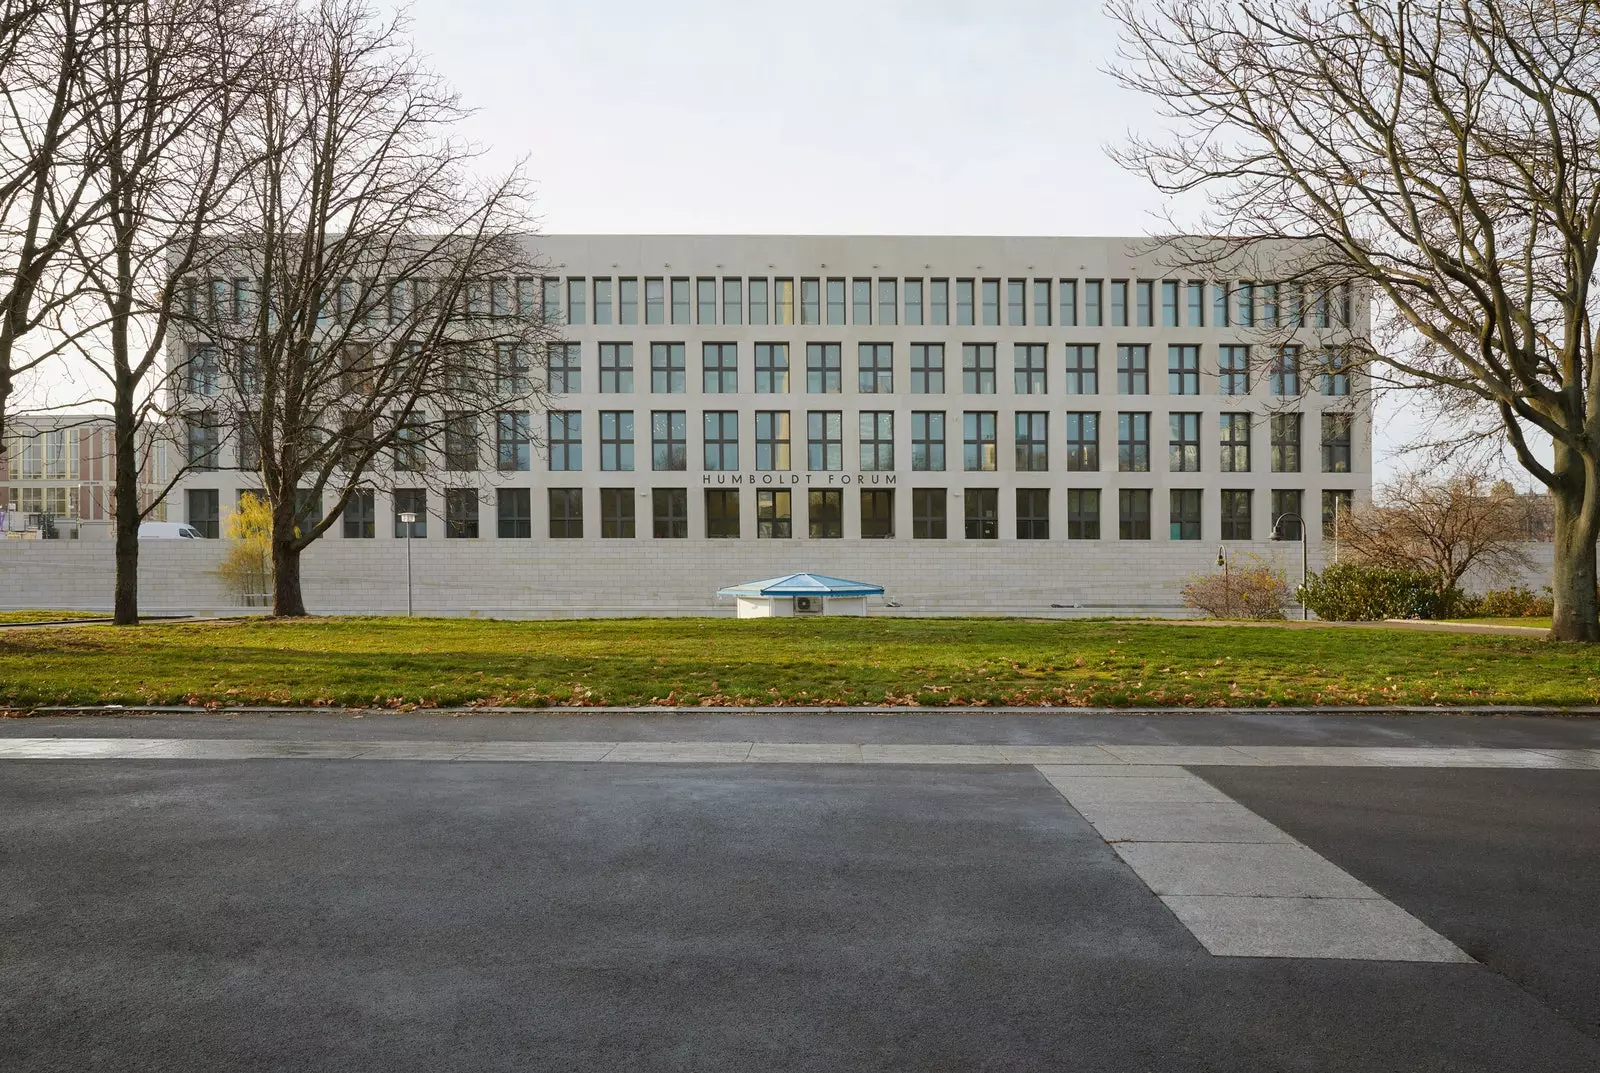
column 720, row 368
column 513, row 513
column 1197, row 303
column 680, row 303
column 783, row 301
column 1083, row 442
column 669, row 513
column 616, row 440
column 205, row 441
column 1133, row 443
column 1171, row 310
column 982, row 509
column 359, row 518
column 1029, row 362
column 877, row 514
column 721, row 440
column 1016, row 302
column 668, row 369
column 602, row 301
column 1133, row 514
column 1093, row 303
column 461, row 513
column 977, row 368
column 1287, row 513
column 1236, row 514
column 705, row 301
column 825, row 514
column 410, row 447
column 1184, row 449
column 758, row 301
column 772, row 368
column 1041, row 303
column 1336, row 442
column 1333, row 374
column 566, row 440
column 1235, row 443
column 772, row 440
column 202, row 373
column 965, row 300
column 552, row 303
column 627, row 301
column 1336, row 504
column 927, row 440
column 1221, row 306
column 810, row 301
column 411, row 501
column 914, row 316
column 991, row 302
column 1144, row 291
column 1033, row 449
column 566, row 513
column 1269, row 305
column 939, row 302
column 1183, row 370
column 824, row 440
column 616, row 368
column 655, row 300
column 460, row 441
column 1083, row 514
column 722, row 513
column 1233, row 366
column 1083, row 369
column 876, row 368
column 577, row 304
column 1133, row 369
column 835, row 301
column 1183, row 514
column 732, row 301
column 513, row 441
column 930, row 511
column 669, row 448
column 203, row 512
column 566, row 369
column 888, row 302
column 980, row 447
column 824, row 371
column 1119, row 303
column 1067, row 303
column 861, row 301
column 1285, row 443
column 1033, row 514
column 877, row 440
column 616, row 513
column 774, row 514
column 1286, row 371
column 1245, row 305
column 927, row 368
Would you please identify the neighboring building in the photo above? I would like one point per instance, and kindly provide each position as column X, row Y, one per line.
column 58, row 476
column 941, row 393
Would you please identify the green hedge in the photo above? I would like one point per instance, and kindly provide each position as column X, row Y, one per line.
column 1355, row 593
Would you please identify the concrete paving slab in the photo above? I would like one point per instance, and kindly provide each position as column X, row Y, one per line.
column 413, row 750
column 1059, row 754
column 1169, row 821
column 539, row 750
column 1310, row 755
column 932, row 754
column 1492, row 758
column 252, row 750
column 1240, row 869
column 1110, row 771
column 799, row 753
column 1343, row 928
column 79, row 749
column 1091, row 790
column 646, row 752
column 1181, row 754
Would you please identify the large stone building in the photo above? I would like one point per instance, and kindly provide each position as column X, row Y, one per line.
column 58, row 476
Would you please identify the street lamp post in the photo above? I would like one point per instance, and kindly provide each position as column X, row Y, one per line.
column 408, row 518
column 1227, row 590
column 1305, row 558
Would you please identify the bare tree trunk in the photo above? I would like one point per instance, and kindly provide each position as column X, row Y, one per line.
column 125, row 606
column 1573, row 574
column 287, row 599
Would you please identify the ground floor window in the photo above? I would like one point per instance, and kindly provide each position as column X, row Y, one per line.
column 1133, row 514
column 566, row 513
column 1033, row 514
column 461, row 513
column 929, row 514
column 825, row 514
column 983, row 513
column 1236, row 514
column 1334, row 504
column 722, row 513
column 616, row 512
column 669, row 513
column 360, row 515
column 1287, row 501
column 774, row 514
column 412, row 501
column 203, row 512
column 1184, row 517
column 1083, row 514
column 877, row 515
column 514, row 513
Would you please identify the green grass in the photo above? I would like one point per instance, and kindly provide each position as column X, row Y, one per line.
column 1533, row 621
column 398, row 663
column 9, row 618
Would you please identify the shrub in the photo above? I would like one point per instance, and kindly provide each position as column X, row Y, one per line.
column 247, row 568
column 1519, row 602
column 1252, row 589
column 1352, row 592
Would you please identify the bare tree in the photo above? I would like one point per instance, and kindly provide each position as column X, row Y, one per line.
column 1442, row 155
column 392, row 298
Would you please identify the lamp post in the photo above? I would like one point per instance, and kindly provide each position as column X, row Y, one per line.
column 1227, row 590
column 408, row 518
column 1305, row 557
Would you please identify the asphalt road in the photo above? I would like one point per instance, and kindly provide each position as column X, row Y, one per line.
column 396, row 916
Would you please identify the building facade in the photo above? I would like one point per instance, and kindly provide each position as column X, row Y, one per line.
column 813, row 397
column 58, row 476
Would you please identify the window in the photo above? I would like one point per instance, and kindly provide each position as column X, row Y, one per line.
column 1245, row 305
column 991, row 302
column 360, row 515
column 410, row 452
column 1233, row 364
column 1144, row 292
column 982, row 507
column 914, row 302
column 460, row 441
column 654, row 301
column 669, row 448
column 202, row 510
column 720, row 364
column 1269, row 304
column 824, row 375
column 835, row 301
column 602, row 301
column 1033, row 453
column 566, row 375
column 977, row 368
column 1235, row 455
column 1033, row 514
column 249, row 452
column 888, row 302
column 964, row 302
column 927, row 440
column 1184, row 448
column 877, row 514
column 513, row 441
column 758, row 302
column 551, row 307
column 783, row 301
column 1133, row 443
column 980, row 451
column 721, row 440
column 513, row 513
column 824, row 440
column 1336, row 506
column 1286, row 502
column 1093, row 303
column 877, row 440
column 772, row 368
column 1119, row 303
column 733, row 302
column 566, row 512
column 1336, row 442
column 876, row 368
column 667, row 369
column 205, row 438
column 513, row 372
column 1133, row 369
column 927, row 368
column 616, row 368
column 1236, row 514
column 939, row 302
column 566, row 440
column 1184, row 514
column 929, row 514
column 810, row 301
column 202, row 373
column 616, row 513
column 705, row 300
column 1028, row 359
column 616, row 440
column 1083, row 514
column 772, row 440
column 411, row 501
column 1286, row 371
column 722, row 514
column 1041, row 302
column 1133, row 514
column 774, row 514
column 1067, row 303
column 1197, row 303
column 1083, row 442
column 680, row 304
column 825, row 514
column 1083, row 364
column 861, row 301
column 1183, row 370
column 461, row 513
column 1333, row 377
column 1221, row 310
column 1285, row 443
column 577, row 308
column 669, row 513
column 627, row 301
column 1016, row 302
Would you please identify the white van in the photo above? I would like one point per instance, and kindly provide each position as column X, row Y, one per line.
column 168, row 531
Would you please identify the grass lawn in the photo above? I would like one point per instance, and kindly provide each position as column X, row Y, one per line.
column 9, row 618
column 1535, row 622
column 401, row 662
